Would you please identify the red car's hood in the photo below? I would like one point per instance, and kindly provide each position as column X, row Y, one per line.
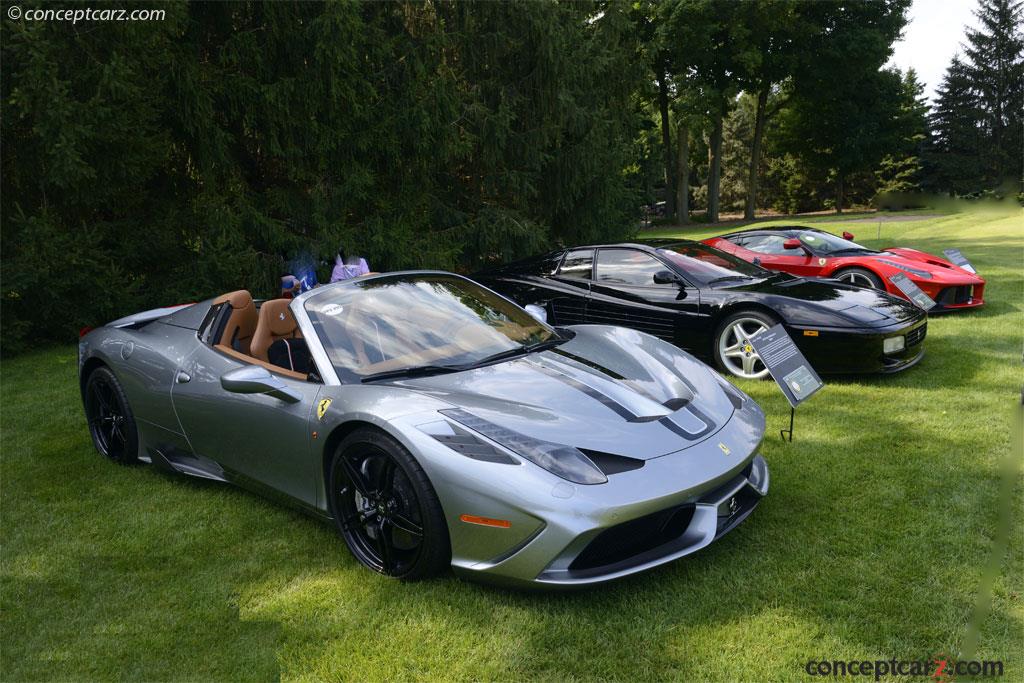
column 938, row 268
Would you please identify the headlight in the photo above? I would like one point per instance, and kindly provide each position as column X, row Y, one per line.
column 894, row 344
column 923, row 274
column 564, row 461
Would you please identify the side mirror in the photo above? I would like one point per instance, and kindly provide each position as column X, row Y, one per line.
column 537, row 311
column 254, row 379
column 847, row 235
column 666, row 277
column 792, row 243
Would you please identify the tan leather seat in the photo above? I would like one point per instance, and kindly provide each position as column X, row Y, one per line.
column 241, row 325
column 275, row 322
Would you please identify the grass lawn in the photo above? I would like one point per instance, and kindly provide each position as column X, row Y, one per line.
column 872, row 543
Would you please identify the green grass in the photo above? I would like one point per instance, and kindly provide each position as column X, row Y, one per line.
column 871, row 544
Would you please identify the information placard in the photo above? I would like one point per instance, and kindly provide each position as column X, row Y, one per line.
column 788, row 367
column 913, row 292
column 959, row 259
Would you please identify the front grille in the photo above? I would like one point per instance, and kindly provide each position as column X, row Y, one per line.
column 916, row 335
column 567, row 311
column 634, row 537
column 733, row 510
column 951, row 296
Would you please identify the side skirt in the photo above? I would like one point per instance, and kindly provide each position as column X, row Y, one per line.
column 178, row 462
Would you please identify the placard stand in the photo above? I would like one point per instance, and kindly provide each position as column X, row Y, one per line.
column 792, row 373
column 912, row 291
column 783, row 432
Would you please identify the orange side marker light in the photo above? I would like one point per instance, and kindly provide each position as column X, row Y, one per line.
column 810, row 333
column 486, row 521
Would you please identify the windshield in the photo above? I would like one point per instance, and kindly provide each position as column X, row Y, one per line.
column 707, row 265
column 392, row 324
column 824, row 243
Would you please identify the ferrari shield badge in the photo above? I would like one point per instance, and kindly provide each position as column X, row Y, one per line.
column 821, row 262
column 321, row 408
column 725, row 449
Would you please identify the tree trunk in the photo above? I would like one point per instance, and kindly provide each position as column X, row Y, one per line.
column 715, row 166
column 755, row 155
column 840, row 192
column 666, row 143
column 683, row 173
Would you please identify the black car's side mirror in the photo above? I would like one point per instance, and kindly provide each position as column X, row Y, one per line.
column 666, row 277
column 254, row 379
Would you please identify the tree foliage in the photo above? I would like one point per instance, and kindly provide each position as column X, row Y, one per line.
column 147, row 163
column 978, row 117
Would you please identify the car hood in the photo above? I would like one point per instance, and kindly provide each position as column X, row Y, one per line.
column 608, row 389
column 938, row 268
column 829, row 303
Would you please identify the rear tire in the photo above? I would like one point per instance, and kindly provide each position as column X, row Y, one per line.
column 111, row 421
column 385, row 508
column 860, row 277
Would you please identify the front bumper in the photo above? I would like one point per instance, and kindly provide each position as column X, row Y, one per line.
column 860, row 351
column 957, row 298
column 575, row 550
column 646, row 542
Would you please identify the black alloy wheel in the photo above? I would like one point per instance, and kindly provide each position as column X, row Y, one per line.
column 111, row 423
column 385, row 508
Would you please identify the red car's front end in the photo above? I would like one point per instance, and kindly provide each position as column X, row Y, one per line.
column 950, row 286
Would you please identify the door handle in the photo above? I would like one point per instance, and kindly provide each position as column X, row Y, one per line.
column 182, row 377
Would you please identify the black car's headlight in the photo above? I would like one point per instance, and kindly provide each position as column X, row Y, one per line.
column 564, row 461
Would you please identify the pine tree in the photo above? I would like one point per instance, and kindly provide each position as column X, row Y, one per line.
column 956, row 146
column 995, row 65
column 901, row 170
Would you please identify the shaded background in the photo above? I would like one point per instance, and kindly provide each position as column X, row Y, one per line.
column 151, row 163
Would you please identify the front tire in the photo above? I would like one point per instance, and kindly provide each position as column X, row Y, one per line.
column 732, row 349
column 385, row 508
column 860, row 277
column 111, row 421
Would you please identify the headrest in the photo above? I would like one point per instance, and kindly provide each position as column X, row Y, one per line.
column 278, row 316
column 238, row 299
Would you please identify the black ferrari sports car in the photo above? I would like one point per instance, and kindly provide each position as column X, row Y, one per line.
column 710, row 303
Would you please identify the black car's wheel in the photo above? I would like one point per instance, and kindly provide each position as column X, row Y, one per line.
column 732, row 349
column 386, row 509
column 111, row 423
column 861, row 277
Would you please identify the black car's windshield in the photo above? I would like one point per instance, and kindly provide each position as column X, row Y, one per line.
column 825, row 243
column 385, row 327
column 707, row 265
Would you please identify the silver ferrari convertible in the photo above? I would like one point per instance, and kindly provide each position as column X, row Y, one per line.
column 436, row 423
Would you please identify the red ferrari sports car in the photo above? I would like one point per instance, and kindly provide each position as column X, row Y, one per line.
column 815, row 253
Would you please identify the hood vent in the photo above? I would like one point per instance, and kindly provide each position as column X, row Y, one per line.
column 610, row 464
